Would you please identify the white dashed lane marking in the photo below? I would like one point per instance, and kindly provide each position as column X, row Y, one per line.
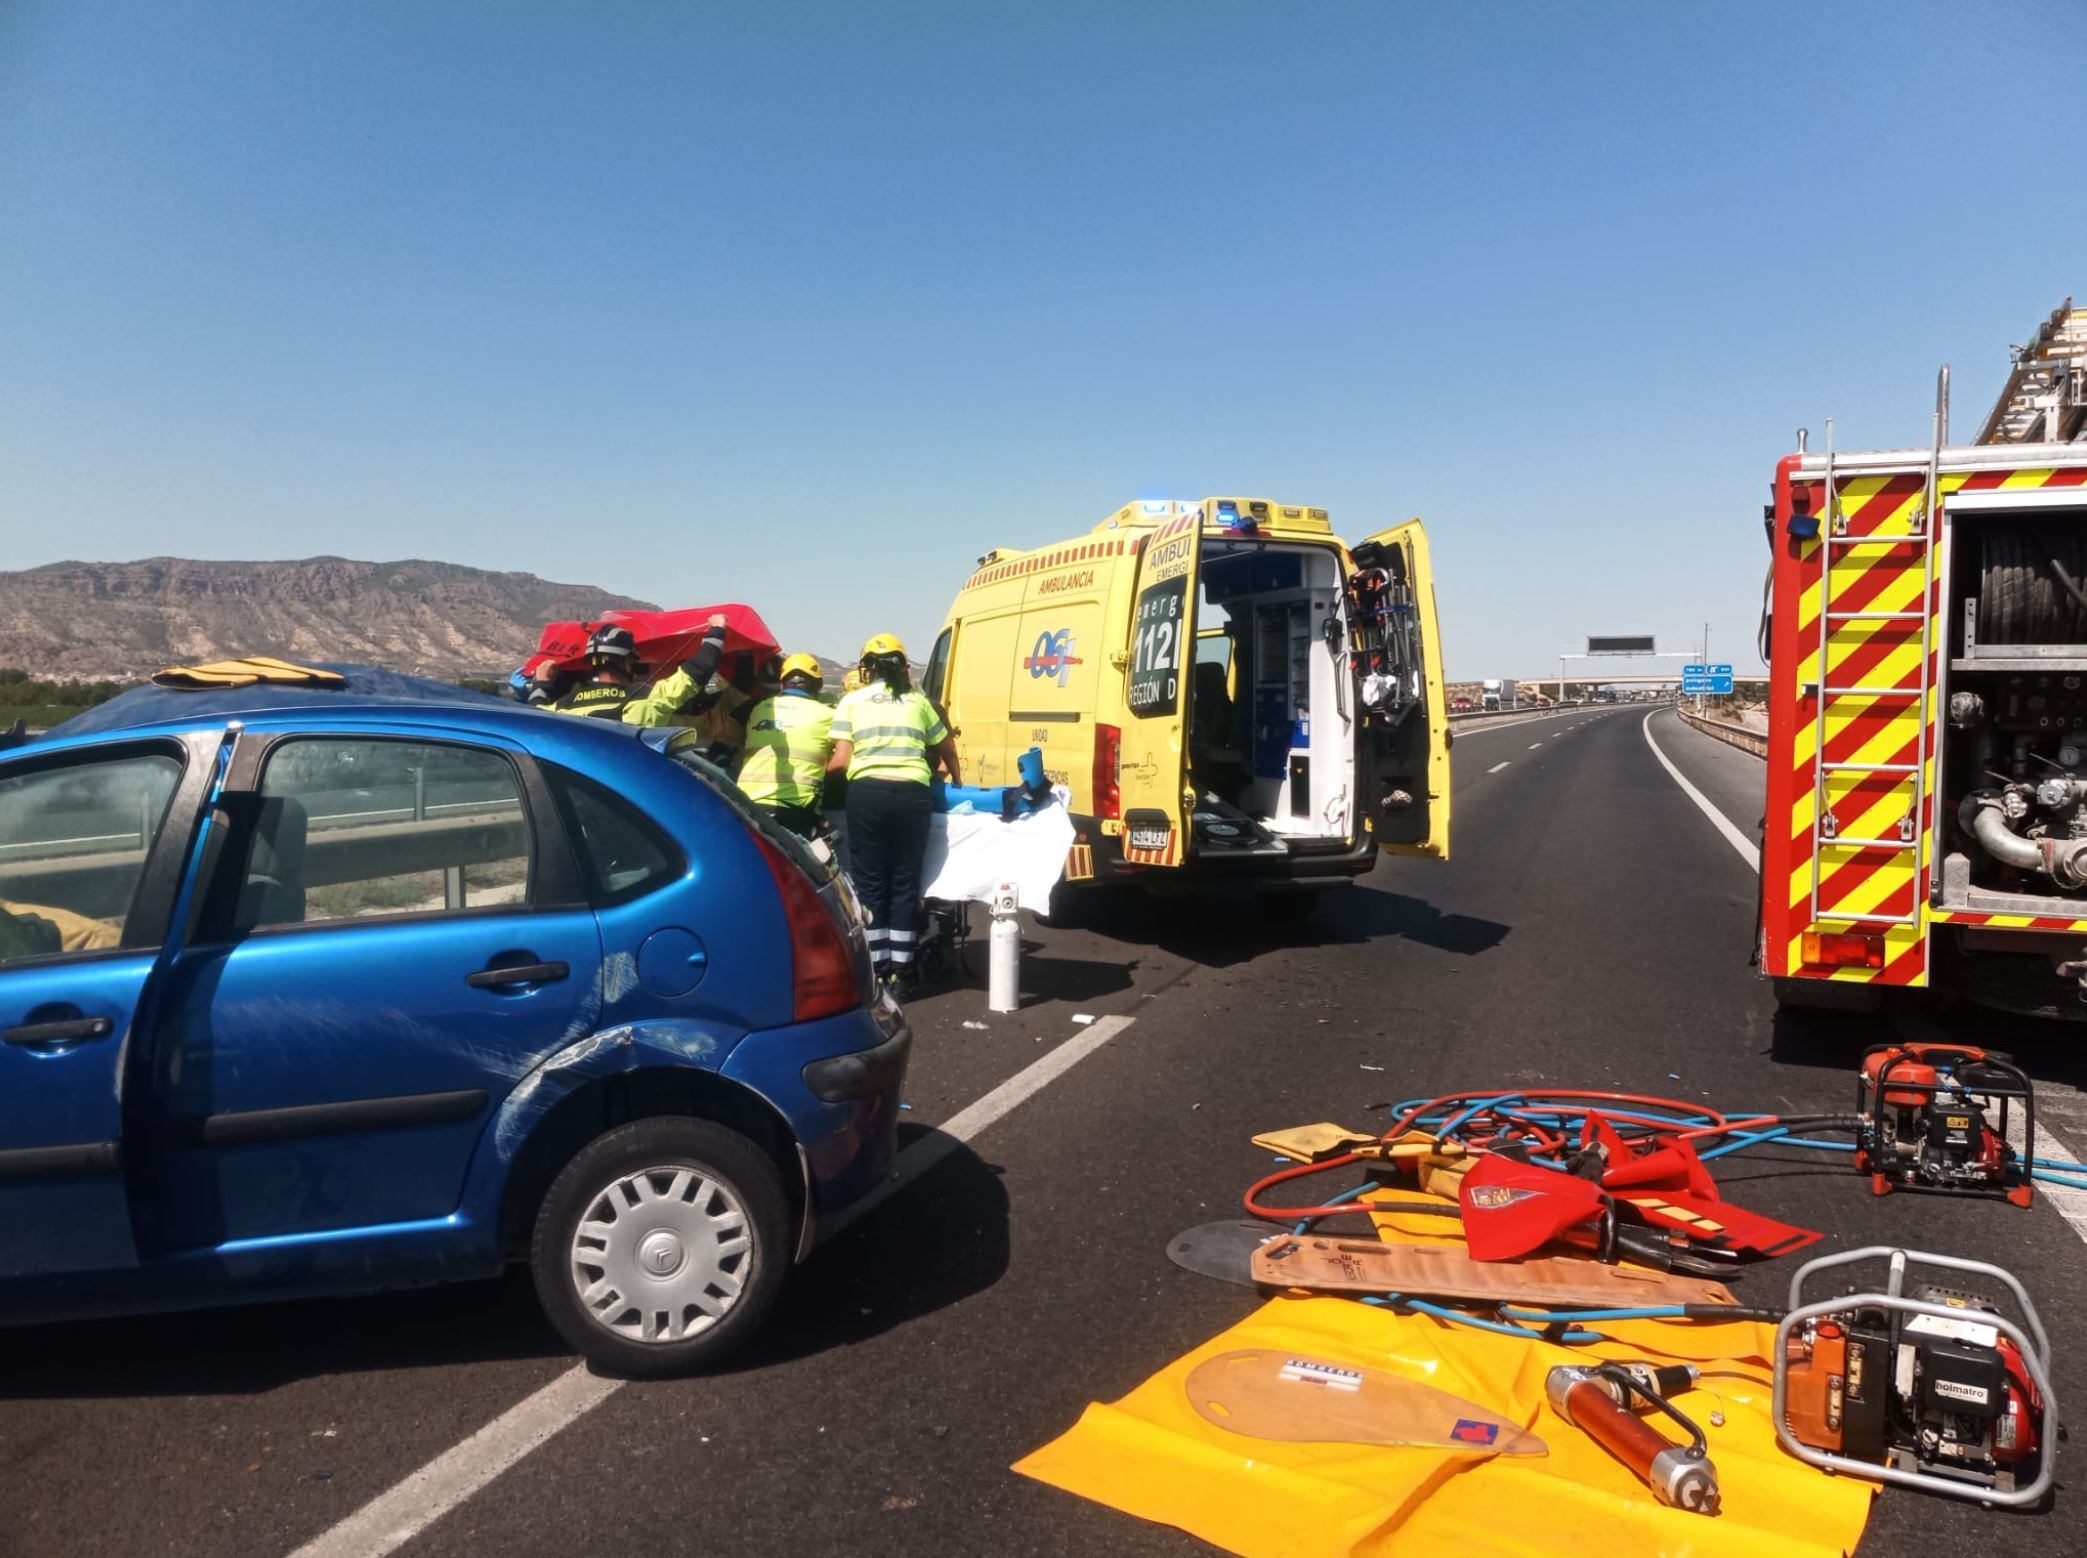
column 1496, row 768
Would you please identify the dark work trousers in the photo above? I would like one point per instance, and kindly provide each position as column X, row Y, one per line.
column 887, row 840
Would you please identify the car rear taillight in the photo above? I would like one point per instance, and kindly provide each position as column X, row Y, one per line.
column 1842, row 949
column 1108, row 766
column 822, row 963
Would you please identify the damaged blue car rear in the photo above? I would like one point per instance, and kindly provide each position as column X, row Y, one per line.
column 316, row 991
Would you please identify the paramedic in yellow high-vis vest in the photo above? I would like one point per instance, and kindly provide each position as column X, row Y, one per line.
column 789, row 738
column 887, row 737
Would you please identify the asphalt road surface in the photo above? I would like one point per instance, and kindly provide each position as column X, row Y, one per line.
column 1591, row 931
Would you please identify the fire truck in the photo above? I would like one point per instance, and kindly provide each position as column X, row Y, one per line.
column 1926, row 634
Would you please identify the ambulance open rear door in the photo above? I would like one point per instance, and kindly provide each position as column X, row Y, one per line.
column 1153, row 742
column 1395, row 657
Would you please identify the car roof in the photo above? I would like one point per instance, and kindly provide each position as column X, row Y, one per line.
column 367, row 691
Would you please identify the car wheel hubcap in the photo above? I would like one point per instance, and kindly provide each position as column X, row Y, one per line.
column 661, row 1255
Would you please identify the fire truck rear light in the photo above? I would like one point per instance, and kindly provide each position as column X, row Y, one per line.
column 1842, row 949
column 1805, row 527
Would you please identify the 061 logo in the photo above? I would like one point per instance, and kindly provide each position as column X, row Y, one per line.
column 1052, row 656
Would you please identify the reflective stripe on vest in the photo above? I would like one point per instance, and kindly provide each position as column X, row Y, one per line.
column 892, row 733
column 788, row 739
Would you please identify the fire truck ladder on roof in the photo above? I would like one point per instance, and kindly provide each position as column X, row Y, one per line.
column 1835, row 541
column 2045, row 397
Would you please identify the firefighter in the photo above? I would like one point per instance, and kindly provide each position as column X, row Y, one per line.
column 610, row 693
column 721, row 713
column 887, row 737
column 789, row 738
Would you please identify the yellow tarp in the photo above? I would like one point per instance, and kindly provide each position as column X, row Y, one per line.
column 1152, row 1455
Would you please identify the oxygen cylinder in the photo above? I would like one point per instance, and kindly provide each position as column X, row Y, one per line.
column 1004, row 965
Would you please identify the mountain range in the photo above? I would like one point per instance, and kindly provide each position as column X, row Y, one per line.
column 119, row 621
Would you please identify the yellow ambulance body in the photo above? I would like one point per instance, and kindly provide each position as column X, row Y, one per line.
column 1227, row 690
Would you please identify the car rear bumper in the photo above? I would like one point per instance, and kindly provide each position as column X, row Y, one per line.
column 847, row 1140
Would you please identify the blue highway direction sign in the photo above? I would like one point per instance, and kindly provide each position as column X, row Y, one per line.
column 1714, row 679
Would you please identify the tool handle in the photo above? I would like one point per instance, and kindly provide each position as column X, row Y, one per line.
column 1675, row 1478
column 1624, row 1435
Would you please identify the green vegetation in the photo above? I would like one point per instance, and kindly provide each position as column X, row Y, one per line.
column 41, row 704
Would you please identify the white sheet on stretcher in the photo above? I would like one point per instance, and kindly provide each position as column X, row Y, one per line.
column 971, row 853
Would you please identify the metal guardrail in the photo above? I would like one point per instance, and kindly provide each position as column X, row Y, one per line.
column 1479, row 716
column 1744, row 737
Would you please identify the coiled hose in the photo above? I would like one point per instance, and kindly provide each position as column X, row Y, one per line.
column 2032, row 584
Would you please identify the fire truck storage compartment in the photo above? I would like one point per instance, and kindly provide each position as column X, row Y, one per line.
column 1269, row 731
column 2013, row 764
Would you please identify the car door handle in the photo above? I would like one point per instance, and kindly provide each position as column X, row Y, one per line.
column 516, row 974
column 60, row 1032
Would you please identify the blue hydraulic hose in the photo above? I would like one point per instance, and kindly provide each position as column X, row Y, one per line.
column 1499, row 1327
column 1303, row 1224
column 1568, row 1317
column 2047, row 1170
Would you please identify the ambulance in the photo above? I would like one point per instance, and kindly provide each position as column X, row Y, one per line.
column 1229, row 692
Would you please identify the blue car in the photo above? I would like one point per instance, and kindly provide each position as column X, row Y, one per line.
column 325, row 990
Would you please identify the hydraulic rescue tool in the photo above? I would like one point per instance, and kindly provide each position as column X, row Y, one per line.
column 1600, row 1402
column 1931, row 1388
column 1939, row 1117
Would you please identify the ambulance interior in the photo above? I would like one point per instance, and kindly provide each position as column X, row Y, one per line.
column 1271, row 751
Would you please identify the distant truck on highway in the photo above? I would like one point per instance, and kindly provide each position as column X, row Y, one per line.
column 1497, row 693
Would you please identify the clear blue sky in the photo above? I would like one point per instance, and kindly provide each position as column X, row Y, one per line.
column 809, row 304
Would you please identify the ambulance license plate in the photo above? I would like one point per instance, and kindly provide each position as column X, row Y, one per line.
column 1150, row 836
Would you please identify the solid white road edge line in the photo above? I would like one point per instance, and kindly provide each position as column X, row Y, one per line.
column 1739, row 841
column 1496, row 768
column 394, row 1517
column 2071, row 1204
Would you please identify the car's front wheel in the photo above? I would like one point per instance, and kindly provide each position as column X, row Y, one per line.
column 661, row 1246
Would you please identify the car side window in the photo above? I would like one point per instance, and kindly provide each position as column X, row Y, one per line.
column 350, row 829
column 73, row 841
column 623, row 854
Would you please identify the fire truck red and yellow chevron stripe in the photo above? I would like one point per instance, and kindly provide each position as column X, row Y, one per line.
column 1860, row 753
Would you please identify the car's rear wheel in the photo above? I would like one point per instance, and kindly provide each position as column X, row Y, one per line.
column 661, row 1246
